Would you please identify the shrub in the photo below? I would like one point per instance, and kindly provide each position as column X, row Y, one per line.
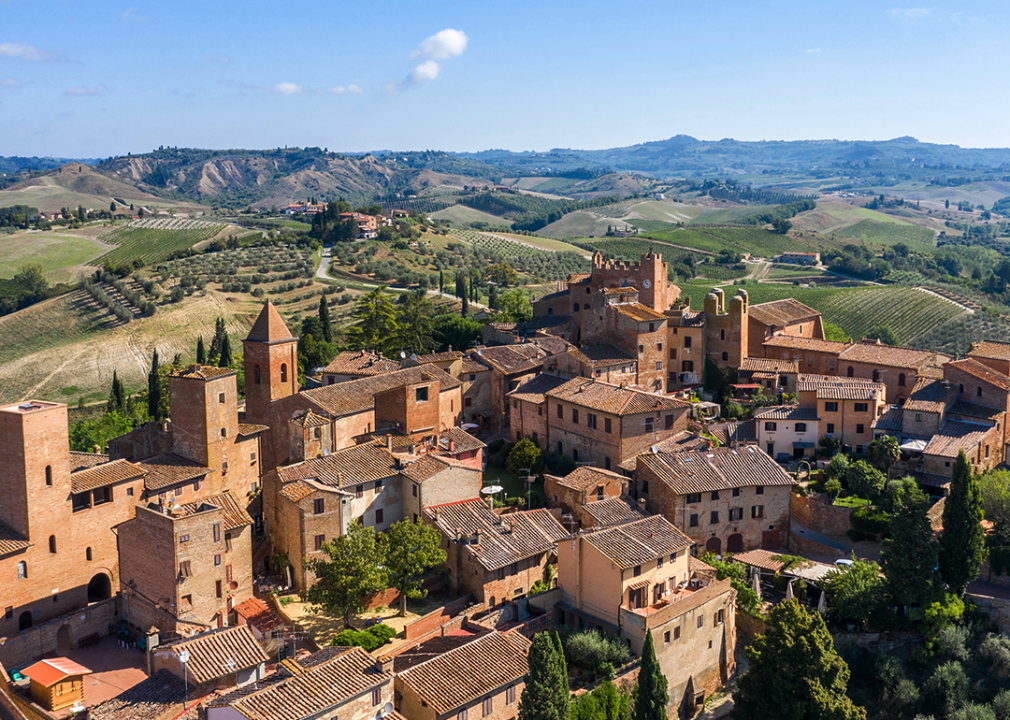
column 952, row 642
column 370, row 639
column 833, row 487
column 948, row 687
column 870, row 520
column 525, row 455
column 592, row 650
column 838, row 467
column 559, row 464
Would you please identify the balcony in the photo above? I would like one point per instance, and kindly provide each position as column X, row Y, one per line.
column 669, row 597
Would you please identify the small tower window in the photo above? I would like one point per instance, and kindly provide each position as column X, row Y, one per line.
column 284, row 372
column 256, row 374
column 722, row 334
column 22, row 570
column 87, row 554
column 49, row 475
column 52, row 544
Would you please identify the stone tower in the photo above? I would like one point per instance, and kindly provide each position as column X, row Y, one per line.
column 271, row 364
column 726, row 332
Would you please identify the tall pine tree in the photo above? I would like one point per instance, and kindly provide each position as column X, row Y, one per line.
column 465, row 310
column 154, row 390
column 225, row 359
column 117, row 396
column 545, row 696
column 962, row 543
column 911, row 553
column 324, row 320
column 652, row 698
column 201, row 352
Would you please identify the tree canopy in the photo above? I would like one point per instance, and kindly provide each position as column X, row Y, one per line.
column 375, row 322
column 651, row 698
column 352, row 569
column 911, row 554
column 546, row 694
column 410, row 550
column 962, row 542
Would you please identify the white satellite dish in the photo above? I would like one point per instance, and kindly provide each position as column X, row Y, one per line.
column 387, row 709
column 184, row 657
column 402, row 354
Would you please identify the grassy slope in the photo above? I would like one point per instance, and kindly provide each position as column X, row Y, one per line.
column 462, row 215
column 61, row 254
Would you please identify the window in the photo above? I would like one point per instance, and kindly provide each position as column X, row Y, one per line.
column 831, row 363
column 978, row 391
column 720, row 617
column 701, row 621
column 859, row 428
column 668, row 422
column 473, row 377
column 645, row 487
column 49, row 475
column 216, row 529
column 676, row 633
column 102, row 495
column 810, row 360
column 184, row 569
column 736, row 492
column 461, row 715
column 577, row 308
column 8, row 612
column 22, row 570
column 606, row 425
column 196, row 486
column 52, row 544
column 87, row 554
column 850, row 371
column 320, row 539
column 648, row 424
column 183, row 539
column 641, row 349
column 178, row 491
column 659, row 562
column 901, row 379
column 421, row 394
column 487, row 706
column 590, row 421
column 771, row 427
column 413, row 489
column 129, row 492
column 801, row 427
column 693, row 498
column 830, row 407
column 659, row 347
column 467, row 402
column 715, row 494
column 861, row 407
column 217, row 589
column 575, row 454
column 227, row 542
column 284, row 372
column 217, row 560
column 637, row 571
column 220, row 398
column 735, row 514
column 228, row 573
column 659, row 364
column 757, row 511
column 379, row 516
column 510, row 695
column 673, row 353
column 256, row 374
column 687, row 342
column 831, row 428
column 759, row 489
column 378, row 486
column 714, row 518
column 359, row 491
column 687, row 366
column 224, row 432
column 722, row 334
column 725, row 357
column 561, row 413
column 575, row 416
column 876, row 376
column 561, row 447
column 694, row 520
column 666, row 637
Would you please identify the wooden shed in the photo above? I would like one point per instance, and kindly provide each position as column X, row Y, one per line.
column 56, row 683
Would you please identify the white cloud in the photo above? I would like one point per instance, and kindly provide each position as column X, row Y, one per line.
column 26, row 52
column 428, row 70
column 96, row 90
column 911, row 15
column 10, row 82
column 287, row 88
column 442, row 45
column 346, row 89
column 131, row 16
column 814, row 50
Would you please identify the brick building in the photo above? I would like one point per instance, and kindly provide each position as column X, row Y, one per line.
column 494, row 558
column 777, row 376
column 484, row 676
column 217, row 659
column 190, row 564
column 636, row 578
column 582, row 486
column 897, row 368
column 787, row 430
column 787, row 317
column 356, row 364
column 686, row 346
column 846, row 408
column 511, row 366
column 819, row 357
column 726, row 330
column 723, row 498
column 528, row 404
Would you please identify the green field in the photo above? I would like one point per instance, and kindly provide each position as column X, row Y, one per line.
column 61, row 254
column 759, row 242
column 889, row 233
column 463, row 216
column 150, row 245
column 726, row 216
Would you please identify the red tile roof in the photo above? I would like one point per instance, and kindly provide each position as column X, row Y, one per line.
column 990, row 349
column 345, row 468
column 354, row 396
column 715, row 469
column 169, row 469
column 235, row 516
column 782, row 312
column 613, row 511
column 982, row 372
column 259, row 615
column 638, row 542
column 953, row 437
column 11, row 541
column 269, row 327
column 639, row 312
column 769, row 365
column 613, row 399
column 533, row 390
column 798, row 343
column 586, row 476
column 876, row 353
column 102, row 475
column 51, row 671
column 360, row 362
column 203, row 372
column 220, row 653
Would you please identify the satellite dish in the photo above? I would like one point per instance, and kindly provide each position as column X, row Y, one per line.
column 184, row 657
column 387, row 709
column 491, row 489
column 402, row 354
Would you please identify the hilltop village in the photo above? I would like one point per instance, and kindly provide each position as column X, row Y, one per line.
column 180, row 545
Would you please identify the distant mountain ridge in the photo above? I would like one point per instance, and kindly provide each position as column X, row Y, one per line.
column 15, row 164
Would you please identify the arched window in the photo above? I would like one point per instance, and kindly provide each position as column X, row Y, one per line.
column 284, row 372
column 876, row 376
column 850, row 372
column 577, row 308
column 725, row 356
column 22, row 570
column 901, row 379
column 588, row 291
column 52, row 544
column 87, row 554
column 978, row 391
column 256, row 374
column 49, row 474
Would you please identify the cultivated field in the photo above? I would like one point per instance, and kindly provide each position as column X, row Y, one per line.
column 152, row 240
column 63, row 255
column 463, row 216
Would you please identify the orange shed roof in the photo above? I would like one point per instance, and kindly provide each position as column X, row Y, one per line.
column 50, row 672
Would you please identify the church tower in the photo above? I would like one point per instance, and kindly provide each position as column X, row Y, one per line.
column 271, row 364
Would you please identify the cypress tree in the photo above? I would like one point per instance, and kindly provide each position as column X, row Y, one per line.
column 117, row 395
column 545, row 696
column 219, row 335
column 441, row 281
column 154, row 390
column 962, row 543
column 324, row 319
column 201, row 353
column 465, row 310
column 652, row 698
column 225, row 359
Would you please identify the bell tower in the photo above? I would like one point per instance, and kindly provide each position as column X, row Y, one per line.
column 271, row 364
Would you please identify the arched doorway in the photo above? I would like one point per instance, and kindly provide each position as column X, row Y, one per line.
column 714, row 545
column 734, row 543
column 63, row 641
column 99, row 588
column 25, row 620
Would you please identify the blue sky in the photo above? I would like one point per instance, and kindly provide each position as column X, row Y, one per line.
column 93, row 78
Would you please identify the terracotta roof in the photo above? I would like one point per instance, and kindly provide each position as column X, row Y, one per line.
column 310, row 419
column 151, row 698
column 316, row 689
column 786, row 412
column 345, row 468
column 761, row 559
column 830, row 387
column 798, row 343
column 259, row 615
column 769, row 365
column 613, row 511
column 469, row 672
column 612, row 399
column 892, row 420
column 356, row 396
column 11, row 541
column 982, row 372
column 360, row 362
column 503, row 539
column 98, row 476
column 782, row 312
column 169, row 469
column 220, row 653
column 687, row 442
column 990, row 349
column 269, row 327
column 203, row 372
column 248, row 429
column 638, row 312
column 48, row 672
column 693, row 319
column 82, row 460
column 462, row 441
column 533, row 390
column 601, row 355
column 449, row 356
column 716, row 469
column 472, row 366
column 512, row 359
column 425, row 468
column 728, row 432
column 235, row 516
column 929, row 395
column 627, row 290
column 301, row 489
column 638, row 542
column 586, row 476
column 694, row 565
column 432, row 648
column 875, row 353
column 953, row 437
column 972, row 410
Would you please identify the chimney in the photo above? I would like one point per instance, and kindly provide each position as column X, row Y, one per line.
column 452, row 446
column 98, row 449
column 450, row 348
column 389, row 442
column 476, row 538
column 384, row 664
column 641, row 504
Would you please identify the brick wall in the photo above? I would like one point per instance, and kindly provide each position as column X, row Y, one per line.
column 529, row 420
column 26, row 647
column 818, row 515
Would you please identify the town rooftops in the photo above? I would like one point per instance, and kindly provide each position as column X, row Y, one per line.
column 612, row 399
column 874, row 352
column 534, row 390
column 356, row 396
column 787, row 412
column 613, row 511
column 11, row 541
column 801, row 344
column 84, row 460
column 892, row 420
column 314, row 689
column 308, row 419
column 982, row 372
column 638, row 542
column 512, row 359
column 779, row 313
column 830, row 387
column 601, row 355
column 989, row 349
column 108, row 473
column 449, row 356
column 51, row 671
column 461, row 440
column 269, row 327
column 953, row 437
column 472, row 366
column 768, row 365
column 170, row 469
column 202, row 372
column 428, row 466
column 498, row 541
column 978, row 412
column 585, row 477
column 360, row 362
column 470, row 671
column 219, row 653
column 256, row 613
column 929, row 395
column 235, row 516
column 716, row 469
column 151, row 698
column 345, row 468
column 639, row 312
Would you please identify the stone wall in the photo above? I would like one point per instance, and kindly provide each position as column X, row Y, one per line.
column 24, row 648
column 801, row 545
column 819, row 516
column 749, row 627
